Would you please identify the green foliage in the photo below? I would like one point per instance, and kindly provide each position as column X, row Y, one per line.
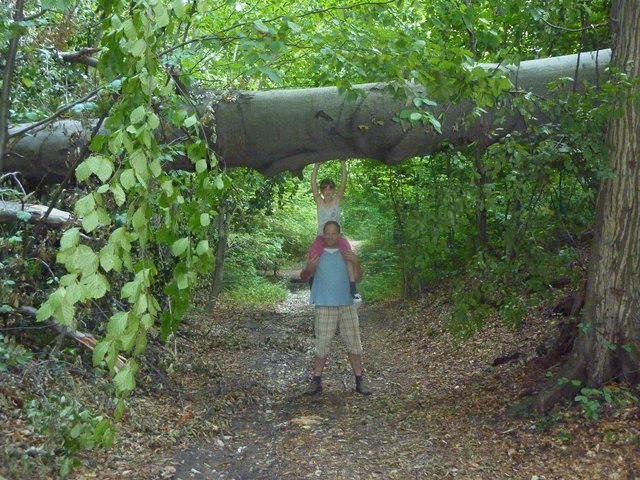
column 506, row 288
column 592, row 399
column 12, row 353
column 508, row 220
column 383, row 277
column 69, row 428
column 41, row 82
column 256, row 292
column 276, row 210
column 158, row 208
column 250, row 253
column 25, row 275
column 381, row 285
column 152, row 232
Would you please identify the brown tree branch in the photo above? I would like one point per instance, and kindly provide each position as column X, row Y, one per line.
column 82, row 56
column 60, row 112
column 574, row 30
column 85, row 339
column 7, row 77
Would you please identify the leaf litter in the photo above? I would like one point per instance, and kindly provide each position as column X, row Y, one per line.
column 223, row 401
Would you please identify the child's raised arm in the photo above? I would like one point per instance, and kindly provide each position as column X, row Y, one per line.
column 343, row 181
column 314, row 184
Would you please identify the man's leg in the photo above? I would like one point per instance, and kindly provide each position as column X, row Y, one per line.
column 362, row 386
column 356, row 363
column 350, row 332
column 318, row 365
column 315, row 386
column 326, row 320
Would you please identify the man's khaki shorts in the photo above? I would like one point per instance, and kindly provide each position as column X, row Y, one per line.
column 327, row 319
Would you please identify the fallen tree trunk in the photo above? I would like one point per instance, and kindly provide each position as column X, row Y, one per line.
column 11, row 211
column 280, row 130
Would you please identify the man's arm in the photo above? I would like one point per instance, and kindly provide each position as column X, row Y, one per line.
column 349, row 256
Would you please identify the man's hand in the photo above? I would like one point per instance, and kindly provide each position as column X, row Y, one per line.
column 350, row 256
column 310, row 268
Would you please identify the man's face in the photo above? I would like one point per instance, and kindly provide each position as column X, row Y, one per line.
column 331, row 236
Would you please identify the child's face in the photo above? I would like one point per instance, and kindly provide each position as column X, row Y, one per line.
column 327, row 190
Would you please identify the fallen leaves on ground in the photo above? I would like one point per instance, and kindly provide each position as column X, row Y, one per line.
column 223, row 401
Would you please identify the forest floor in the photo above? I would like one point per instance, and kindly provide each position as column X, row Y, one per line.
column 223, row 401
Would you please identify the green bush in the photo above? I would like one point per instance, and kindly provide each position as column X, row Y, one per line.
column 381, row 286
column 256, row 292
column 295, row 224
column 68, row 428
column 382, row 273
column 506, row 287
column 249, row 253
column 12, row 353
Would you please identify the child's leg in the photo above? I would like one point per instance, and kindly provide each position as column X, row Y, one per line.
column 345, row 246
column 317, row 247
column 352, row 275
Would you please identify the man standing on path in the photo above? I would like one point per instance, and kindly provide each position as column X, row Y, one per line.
column 334, row 306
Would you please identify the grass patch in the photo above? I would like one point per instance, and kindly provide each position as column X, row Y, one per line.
column 260, row 293
column 377, row 287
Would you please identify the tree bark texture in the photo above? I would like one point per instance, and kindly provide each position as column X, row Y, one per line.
column 610, row 350
column 7, row 79
column 481, row 206
column 223, row 224
column 280, row 130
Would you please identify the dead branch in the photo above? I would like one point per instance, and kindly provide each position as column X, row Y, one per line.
column 82, row 56
column 85, row 339
column 9, row 212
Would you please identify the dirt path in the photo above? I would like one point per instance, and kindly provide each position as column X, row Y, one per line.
column 222, row 401
column 439, row 410
column 287, row 435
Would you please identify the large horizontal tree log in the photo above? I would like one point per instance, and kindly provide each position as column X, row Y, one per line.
column 279, row 130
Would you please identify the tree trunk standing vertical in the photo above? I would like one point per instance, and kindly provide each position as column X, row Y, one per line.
column 610, row 349
column 223, row 223
column 481, row 200
column 399, row 234
column 7, row 78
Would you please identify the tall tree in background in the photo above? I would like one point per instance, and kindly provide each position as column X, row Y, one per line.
column 608, row 350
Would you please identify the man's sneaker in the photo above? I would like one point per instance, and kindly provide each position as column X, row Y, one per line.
column 357, row 298
column 314, row 388
column 362, row 387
